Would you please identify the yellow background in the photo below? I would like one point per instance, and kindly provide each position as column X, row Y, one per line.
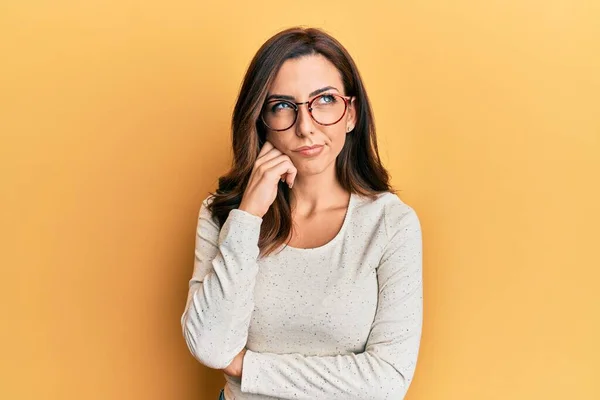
column 114, row 126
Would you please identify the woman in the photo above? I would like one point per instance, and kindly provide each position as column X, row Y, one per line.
column 307, row 279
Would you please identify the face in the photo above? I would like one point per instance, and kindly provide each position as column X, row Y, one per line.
column 301, row 80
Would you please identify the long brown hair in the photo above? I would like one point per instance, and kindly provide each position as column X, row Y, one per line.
column 358, row 166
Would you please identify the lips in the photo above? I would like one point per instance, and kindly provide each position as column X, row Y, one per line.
column 309, row 147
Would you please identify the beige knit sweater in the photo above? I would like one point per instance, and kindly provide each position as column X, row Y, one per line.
column 341, row 321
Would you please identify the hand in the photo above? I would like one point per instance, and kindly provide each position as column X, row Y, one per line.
column 235, row 368
column 270, row 167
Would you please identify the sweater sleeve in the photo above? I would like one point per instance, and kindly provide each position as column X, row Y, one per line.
column 220, row 297
column 385, row 369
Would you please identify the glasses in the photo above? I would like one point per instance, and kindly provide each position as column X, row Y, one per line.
column 326, row 109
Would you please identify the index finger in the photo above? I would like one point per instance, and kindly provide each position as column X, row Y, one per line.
column 265, row 149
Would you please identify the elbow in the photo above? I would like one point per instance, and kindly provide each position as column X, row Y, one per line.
column 206, row 348
column 394, row 378
column 389, row 388
column 206, row 353
column 392, row 383
column 395, row 388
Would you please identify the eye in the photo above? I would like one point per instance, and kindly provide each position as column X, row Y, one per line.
column 326, row 99
column 280, row 106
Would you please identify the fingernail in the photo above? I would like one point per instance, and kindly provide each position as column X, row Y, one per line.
column 290, row 185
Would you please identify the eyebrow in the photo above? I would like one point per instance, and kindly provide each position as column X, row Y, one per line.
column 292, row 99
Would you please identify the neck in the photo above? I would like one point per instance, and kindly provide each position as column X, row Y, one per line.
column 313, row 193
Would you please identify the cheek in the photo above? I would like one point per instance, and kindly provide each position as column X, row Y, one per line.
column 281, row 142
column 336, row 137
column 274, row 138
column 269, row 136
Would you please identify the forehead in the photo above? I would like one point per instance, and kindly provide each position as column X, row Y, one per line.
column 300, row 76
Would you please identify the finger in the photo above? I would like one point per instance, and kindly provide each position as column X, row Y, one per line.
column 269, row 164
column 269, row 155
column 288, row 169
column 288, row 176
column 265, row 148
column 291, row 177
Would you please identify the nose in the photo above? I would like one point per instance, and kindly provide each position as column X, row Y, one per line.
column 304, row 123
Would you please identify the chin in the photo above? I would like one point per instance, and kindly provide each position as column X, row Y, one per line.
column 308, row 169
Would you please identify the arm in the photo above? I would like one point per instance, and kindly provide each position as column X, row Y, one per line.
column 386, row 367
column 220, row 298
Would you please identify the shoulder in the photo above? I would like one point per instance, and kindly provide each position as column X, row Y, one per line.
column 208, row 200
column 386, row 204
column 390, row 211
column 205, row 212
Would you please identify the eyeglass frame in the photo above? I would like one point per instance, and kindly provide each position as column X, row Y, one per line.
column 296, row 107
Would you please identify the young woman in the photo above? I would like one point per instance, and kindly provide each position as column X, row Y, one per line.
column 307, row 279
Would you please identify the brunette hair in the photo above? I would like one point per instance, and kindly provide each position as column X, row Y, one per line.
column 358, row 166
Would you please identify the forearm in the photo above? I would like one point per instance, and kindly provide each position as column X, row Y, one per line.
column 351, row 377
column 215, row 324
column 216, row 319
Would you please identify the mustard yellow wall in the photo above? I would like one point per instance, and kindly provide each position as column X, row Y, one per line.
column 114, row 126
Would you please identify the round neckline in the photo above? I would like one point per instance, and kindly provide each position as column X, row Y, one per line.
column 335, row 239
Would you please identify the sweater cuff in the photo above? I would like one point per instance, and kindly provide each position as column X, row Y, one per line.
column 241, row 227
column 250, row 372
column 245, row 216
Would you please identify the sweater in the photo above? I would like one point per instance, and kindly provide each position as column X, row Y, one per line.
column 340, row 321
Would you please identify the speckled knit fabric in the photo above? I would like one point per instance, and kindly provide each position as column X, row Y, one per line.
column 340, row 321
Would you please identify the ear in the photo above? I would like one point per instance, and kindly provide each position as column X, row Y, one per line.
column 351, row 119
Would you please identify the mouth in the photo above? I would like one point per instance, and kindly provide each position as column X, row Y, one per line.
column 310, row 151
column 304, row 148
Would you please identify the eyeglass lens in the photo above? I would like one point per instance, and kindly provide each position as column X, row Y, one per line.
column 326, row 109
